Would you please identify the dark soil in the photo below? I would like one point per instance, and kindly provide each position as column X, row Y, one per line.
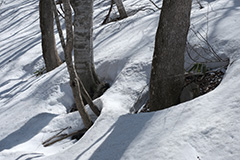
column 208, row 81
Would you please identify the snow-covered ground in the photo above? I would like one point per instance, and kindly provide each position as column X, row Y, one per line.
column 32, row 109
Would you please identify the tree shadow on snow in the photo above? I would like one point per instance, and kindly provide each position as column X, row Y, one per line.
column 123, row 133
column 27, row 131
column 30, row 156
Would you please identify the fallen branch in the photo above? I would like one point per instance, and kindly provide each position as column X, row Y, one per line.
column 49, row 139
column 60, row 137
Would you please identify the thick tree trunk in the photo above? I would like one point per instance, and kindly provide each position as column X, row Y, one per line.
column 167, row 75
column 83, row 44
column 49, row 50
column 74, row 80
column 121, row 9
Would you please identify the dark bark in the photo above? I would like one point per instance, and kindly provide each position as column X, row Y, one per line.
column 49, row 50
column 167, row 75
column 121, row 9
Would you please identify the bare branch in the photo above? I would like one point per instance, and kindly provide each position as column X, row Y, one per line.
column 155, row 5
column 208, row 44
column 61, row 137
column 109, row 12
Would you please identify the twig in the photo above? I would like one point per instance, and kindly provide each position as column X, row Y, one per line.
column 62, row 11
column 155, row 5
column 49, row 139
column 208, row 60
column 200, row 5
column 82, row 131
column 189, row 55
column 140, row 96
column 60, row 2
column 208, row 44
column 60, row 14
column 109, row 12
column 189, row 74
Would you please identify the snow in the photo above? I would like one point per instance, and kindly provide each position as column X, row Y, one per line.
column 33, row 109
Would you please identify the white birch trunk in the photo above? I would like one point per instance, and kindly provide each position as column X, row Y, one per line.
column 74, row 82
column 83, row 44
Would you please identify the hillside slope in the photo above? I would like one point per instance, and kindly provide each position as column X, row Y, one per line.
column 32, row 109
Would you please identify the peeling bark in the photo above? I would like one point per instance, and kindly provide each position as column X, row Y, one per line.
column 83, row 44
column 74, row 80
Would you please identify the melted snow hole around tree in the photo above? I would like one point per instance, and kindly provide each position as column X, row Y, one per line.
column 196, row 84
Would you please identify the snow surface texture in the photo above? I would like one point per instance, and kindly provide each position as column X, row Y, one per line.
column 32, row 109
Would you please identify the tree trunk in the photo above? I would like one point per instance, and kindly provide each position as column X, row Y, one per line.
column 167, row 75
column 49, row 50
column 74, row 80
column 58, row 23
column 83, row 44
column 121, row 9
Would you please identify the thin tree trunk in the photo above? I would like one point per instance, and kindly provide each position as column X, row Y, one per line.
column 60, row 33
column 121, row 9
column 167, row 75
column 88, row 99
column 83, row 44
column 109, row 12
column 74, row 80
column 49, row 50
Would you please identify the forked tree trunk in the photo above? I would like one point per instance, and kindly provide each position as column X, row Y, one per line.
column 74, row 80
column 121, row 9
column 49, row 50
column 83, row 44
column 167, row 75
